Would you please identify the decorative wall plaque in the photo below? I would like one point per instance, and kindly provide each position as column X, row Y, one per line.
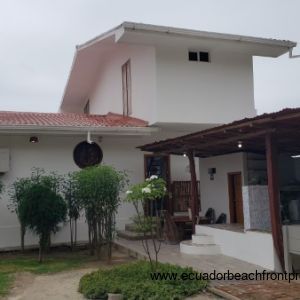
column 87, row 154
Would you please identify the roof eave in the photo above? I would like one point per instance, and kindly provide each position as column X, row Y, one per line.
column 61, row 130
column 206, row 34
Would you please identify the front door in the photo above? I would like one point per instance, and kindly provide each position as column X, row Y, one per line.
column 158, row 165
column 235, row 198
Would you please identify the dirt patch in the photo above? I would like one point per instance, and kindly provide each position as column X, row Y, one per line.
column 58, row 286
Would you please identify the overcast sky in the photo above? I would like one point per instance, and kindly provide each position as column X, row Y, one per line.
column 38, row 39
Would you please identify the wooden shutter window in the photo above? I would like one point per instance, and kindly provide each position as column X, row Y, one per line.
column 126, row 86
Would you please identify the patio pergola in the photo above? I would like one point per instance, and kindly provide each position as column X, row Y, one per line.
column 269, row 134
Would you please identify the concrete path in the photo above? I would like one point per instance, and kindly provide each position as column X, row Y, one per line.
column 201, row 263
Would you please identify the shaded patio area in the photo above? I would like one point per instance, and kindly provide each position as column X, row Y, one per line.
column 267, row 135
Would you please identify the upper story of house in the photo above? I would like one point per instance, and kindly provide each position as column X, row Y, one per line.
column 167, row 75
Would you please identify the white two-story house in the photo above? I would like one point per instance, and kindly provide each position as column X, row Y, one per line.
column 132, row 85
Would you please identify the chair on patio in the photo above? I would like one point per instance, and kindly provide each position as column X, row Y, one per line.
column 221, row 219
column 210, row 215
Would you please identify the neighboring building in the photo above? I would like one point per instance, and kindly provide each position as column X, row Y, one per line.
column 130, row 86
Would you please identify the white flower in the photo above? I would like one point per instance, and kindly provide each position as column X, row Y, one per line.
column 153, row 177
column 146, row 190
column 147, row 179
column 165, row 189
column 128, row 192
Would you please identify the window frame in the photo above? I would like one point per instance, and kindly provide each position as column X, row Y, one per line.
column 126, row 88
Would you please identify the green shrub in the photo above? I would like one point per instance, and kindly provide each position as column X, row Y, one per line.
column 134, row 282
column 98, row 189
column 43, row 210
column 6, row 280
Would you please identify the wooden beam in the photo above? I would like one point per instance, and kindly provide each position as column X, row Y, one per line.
column 194, row 189
column 274, row 196
column 236, row 138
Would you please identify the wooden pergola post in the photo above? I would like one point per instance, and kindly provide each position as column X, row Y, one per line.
column 194, row 189
column 274, row 195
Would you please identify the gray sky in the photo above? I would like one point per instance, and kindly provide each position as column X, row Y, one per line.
column 38, row 39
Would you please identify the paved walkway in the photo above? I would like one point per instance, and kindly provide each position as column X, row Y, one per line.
column 203, row 263
column 264, row 290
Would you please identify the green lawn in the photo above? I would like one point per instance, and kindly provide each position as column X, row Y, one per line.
column 55, row 262
column 6, row 279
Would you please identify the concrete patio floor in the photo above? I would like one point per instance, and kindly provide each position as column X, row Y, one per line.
column 202, row 263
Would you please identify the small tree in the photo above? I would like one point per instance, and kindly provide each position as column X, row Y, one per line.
column 42, row 210
column 73, row 206
column 98, row 188
column 19, row 188
column 151, row 190
column 17, row 193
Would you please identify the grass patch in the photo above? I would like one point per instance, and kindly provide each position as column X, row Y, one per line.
column 50, row 265
column 6, row 281
column 55, row 262
column 134, row 282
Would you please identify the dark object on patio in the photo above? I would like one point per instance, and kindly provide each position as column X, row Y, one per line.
column 210, row 215
column 221, row 219
column 170, row 230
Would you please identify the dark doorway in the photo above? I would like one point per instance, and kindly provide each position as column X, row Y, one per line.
column 235, row 198
column 158, row 165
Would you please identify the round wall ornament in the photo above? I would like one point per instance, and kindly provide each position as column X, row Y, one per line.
column 87, row 154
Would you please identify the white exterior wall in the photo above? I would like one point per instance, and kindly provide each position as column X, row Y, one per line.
column 214, row 193
column 56, row 154
column 200, row 92
column 251, row 246
column 168, row 88
column 107, row 93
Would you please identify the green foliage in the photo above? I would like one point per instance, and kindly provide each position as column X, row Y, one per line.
column 73, row 205
column 151, row 189
column 134, row 282
column 6, row 280
column 13, row 263
column 42, row 210
column 20, row 187
column 30, row 264
column 98, row 189
column 144, row 195
column 72, row 200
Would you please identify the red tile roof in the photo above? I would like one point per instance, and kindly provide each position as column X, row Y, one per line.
column 11, row 118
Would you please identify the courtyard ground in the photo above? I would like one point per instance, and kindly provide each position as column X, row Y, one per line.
column 234, row 290
column 32, row 283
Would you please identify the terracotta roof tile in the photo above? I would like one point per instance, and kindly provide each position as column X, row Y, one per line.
column 11, row 118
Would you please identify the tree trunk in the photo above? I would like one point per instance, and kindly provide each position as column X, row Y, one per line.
column 75, row 234
column 23, row 231
column 41, row 249
column 71, row 233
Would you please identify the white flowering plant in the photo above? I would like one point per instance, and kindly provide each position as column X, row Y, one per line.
column 151, row 190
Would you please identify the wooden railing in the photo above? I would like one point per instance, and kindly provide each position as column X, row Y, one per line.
column 181, row 196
